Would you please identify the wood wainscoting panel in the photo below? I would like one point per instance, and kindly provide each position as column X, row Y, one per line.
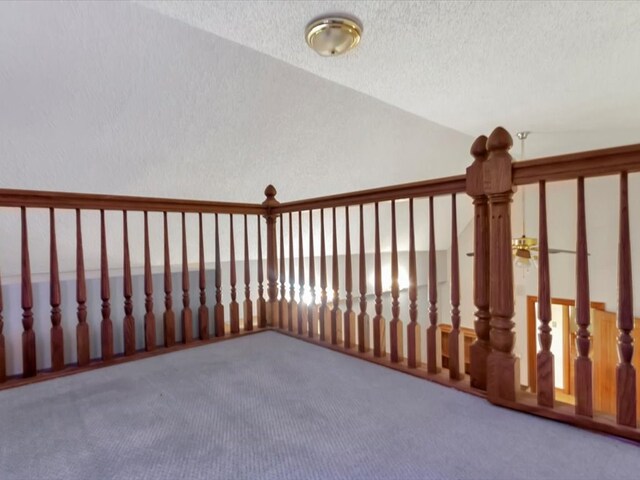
column 605, row 358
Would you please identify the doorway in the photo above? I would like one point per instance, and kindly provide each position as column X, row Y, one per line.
column 563, row 330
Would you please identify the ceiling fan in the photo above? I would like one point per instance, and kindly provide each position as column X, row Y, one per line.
column 525, row 248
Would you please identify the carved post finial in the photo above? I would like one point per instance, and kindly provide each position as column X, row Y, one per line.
column 270, row 192
column 479, row 148
column 499, row 139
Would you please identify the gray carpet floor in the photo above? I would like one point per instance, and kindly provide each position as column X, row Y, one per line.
column 268, row 406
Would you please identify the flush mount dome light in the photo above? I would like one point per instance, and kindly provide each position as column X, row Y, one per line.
column 333, row 36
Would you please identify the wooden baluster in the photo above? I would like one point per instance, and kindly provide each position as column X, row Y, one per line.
column 203, row 311
column 302, row 306
column 272, row 312
column 625, row 371
column 218, row 310
column 312, row 309
column 349, row 314
column 293, row 305
column 336, row 313
column 186, row 315
column 149, row 317
column 324, row 314
column 379, row 323
column 414, row 346
column 248, row 305
column 283, row 306
column 128, row 324
column 169, row 318
column 456, row 341
column 433, row 351
column 106, row 326
column 3, row 361
column 57, row 338
column 396, row 344
column 583, row 369
column 262, row 304
column 544, row 358
column 234, row 308
column 503, row 366
column 363, row 318
column 480, row 349
column 29, row 367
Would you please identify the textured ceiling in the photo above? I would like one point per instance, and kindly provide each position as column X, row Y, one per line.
column 568, row 70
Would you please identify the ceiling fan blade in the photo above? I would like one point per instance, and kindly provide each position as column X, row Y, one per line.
column 561, row 250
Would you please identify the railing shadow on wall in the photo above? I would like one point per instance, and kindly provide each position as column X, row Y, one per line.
column 313, row 297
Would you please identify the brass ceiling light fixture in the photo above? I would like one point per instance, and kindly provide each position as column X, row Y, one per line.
column 333, row 35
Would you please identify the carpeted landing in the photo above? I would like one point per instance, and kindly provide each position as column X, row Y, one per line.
column 273, row 407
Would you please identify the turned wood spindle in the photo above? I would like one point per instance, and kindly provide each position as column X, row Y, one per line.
column 234, row 307
column 57, row 337
column 349, row 315
column 262, row 304
column 625, row 372
column 544, row 358
column 480, row 349
column 583, row 368
column 106, row 325
column 149, row 317
column 456, row 342
column 302, row 306
column 203, row 311
column 186, row 315
column 29, row 368
column 312, row 309
column 324, row 314
column 336, row 313
column 414, row 347
column 292, row 314
column 218, row 310
column 128, row 323
column 379, row 323
column 283, row 306
column 433, row 360
column 168, row 318
column 363, row 318
column 3, row 364
column 248, row 305
column 396, row 346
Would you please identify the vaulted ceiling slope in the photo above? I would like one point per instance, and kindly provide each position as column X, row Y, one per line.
column 112, row 97
column 569, row 71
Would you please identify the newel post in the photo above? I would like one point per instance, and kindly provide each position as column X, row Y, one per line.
column 480, row 349
column 503, row 369
column 272, row 256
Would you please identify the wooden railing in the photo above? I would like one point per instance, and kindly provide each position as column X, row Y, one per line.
column 326, row 282
column 354, row 332
column 172, row 328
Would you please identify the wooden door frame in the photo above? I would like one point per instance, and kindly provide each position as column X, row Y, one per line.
column 532, row 335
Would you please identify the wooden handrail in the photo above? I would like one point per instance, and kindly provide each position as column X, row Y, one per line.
column 440, row 186
column 593, row 163
column 90, row 201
